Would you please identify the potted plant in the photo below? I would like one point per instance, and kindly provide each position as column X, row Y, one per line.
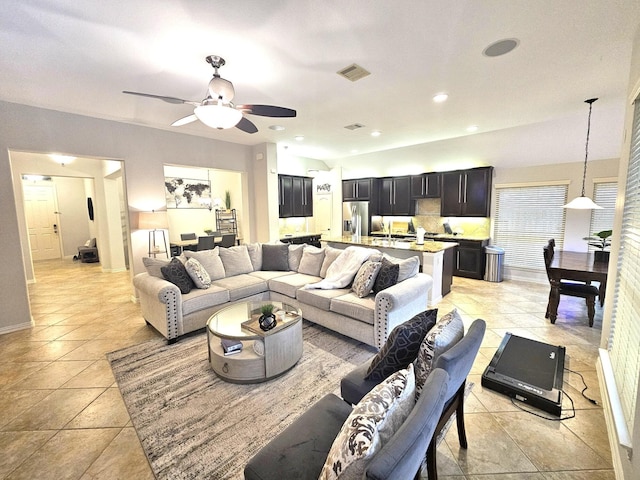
column 227, row 199
column 600, row 240
column 267, row 320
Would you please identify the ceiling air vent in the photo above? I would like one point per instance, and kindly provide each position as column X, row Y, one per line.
column 354, row 126
column 353, row 72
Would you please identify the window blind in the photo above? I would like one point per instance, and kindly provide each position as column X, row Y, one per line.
column 527, row 216
column 604, row 194
column 624, row 336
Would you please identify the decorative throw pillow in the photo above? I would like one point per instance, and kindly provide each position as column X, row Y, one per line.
column 311, row 261
column 275, row 257
column 236, row 260
column 402, row 346
column 370, row 425
column 176, row 273
column 330, row 255
column 366, row 276
column 444, row 335
column 408, row 266
column 387, row 276
column 153, row 266
column 197, row 273
column 210, row 260
column 295, row 255
column 255, row 254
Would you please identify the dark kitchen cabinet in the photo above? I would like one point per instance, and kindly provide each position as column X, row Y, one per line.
column 394, row 196
column 358, row 189
column 299, row 240
column 295, row 196
column 426, row 185
column 469, row 258
column 466, row 193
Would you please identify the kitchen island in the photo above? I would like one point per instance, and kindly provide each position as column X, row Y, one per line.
column 436, row 258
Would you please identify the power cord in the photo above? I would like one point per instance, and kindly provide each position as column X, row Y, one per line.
column 552, row 419
column 585, row 385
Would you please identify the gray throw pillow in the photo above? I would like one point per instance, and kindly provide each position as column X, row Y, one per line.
column 176, row 273
column 153, row 266
column 387, row 276
column 236, row 260
column 402, row 346
column 255, row 254
column 275, row 257
column 295, row 255
column 409, row 267
column 311, row 261
column 210, row 260
column 330, row 255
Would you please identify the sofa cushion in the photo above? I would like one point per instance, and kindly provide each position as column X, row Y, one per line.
column 330, row 255
column 210, row 260
column 409, row 267
column 402, row 345
column 289, row 284
column 311, row 261
column 269, row 274
column 366, row 276
column 176, row 273
column 350, row 305
column 198, row 299
column 236, row 260
column 241, row 286
column 275, row 257
column 153, row 265
column 295, row 255
column 197, row 273
column 320, row 298
column 373, row 421
column 445, row 334
column 387, row 276
column 255, row 254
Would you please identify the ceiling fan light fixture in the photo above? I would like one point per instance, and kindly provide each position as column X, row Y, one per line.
column 221, row 88
column 218, row 115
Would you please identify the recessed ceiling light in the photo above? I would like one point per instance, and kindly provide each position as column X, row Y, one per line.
column 501, row 47
column 299, row 138
column 62, row 159
column 277, row 128
column 472, row 128
column 376, row 133
column 441, row 97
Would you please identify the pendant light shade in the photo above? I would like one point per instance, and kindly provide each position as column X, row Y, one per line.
column 583, row 202
column 218, row 115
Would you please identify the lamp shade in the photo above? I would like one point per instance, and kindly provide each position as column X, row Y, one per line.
column 582, row 203
column 218, row 115
column 152, row 220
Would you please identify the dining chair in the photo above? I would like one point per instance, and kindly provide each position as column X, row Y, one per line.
column 228, row 240
column 206, row 243
column 188, row 236
column 571, row 289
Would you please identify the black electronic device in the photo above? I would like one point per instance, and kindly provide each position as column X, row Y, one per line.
column 529, row 371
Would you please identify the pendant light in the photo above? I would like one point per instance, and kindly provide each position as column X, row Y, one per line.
column 583, row 202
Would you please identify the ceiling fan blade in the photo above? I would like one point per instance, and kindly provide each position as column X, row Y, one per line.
column 173, row 100
column 267, row 110
column 246, row 125
column 184, row 120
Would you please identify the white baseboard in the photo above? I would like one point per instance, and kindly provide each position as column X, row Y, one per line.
column 611, row 427
column 15, row 328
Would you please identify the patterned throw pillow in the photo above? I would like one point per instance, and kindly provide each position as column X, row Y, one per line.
column 311, row 261
column 366, row 276
column 387, row 276
column 402, row 346
column 197, row 273
column 372, row 422
column 444, row 335
column 176, row 273
column 275, row 257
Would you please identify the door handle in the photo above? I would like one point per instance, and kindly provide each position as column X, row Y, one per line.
column 55, row 228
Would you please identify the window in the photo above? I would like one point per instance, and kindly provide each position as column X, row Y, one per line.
column 624, row 336
column 604, row 194
column 527, row 216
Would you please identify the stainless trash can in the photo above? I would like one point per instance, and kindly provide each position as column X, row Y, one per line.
column 495, row 263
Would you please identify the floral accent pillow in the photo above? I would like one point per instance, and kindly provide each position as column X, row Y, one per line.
column 372, row 422
column 366, row 276
column 197, row 273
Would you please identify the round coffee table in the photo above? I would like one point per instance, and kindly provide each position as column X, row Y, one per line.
column 264, row 355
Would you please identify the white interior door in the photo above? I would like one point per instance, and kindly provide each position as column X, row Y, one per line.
column 322, row 213
column 40, row 208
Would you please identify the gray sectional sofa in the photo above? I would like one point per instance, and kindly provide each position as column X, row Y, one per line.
column 280, row 273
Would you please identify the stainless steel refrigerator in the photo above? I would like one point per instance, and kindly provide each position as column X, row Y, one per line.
column 355, row 218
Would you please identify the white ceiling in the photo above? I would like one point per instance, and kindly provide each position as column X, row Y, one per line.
column 78, row 56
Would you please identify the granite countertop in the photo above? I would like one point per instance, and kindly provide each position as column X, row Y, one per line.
column 448, row 236
column 399, row 244
column 300, row 234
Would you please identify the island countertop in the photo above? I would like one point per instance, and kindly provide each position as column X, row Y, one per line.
column 396, row 243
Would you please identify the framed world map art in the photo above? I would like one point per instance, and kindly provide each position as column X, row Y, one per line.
column 187, row 193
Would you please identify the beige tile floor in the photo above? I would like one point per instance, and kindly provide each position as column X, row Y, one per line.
column 62, row 416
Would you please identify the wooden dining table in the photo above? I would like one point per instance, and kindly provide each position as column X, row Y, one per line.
column 577, row 266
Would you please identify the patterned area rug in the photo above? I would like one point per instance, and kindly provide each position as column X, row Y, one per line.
column 194, row 425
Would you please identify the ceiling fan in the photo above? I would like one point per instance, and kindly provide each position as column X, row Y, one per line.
column 217, row 110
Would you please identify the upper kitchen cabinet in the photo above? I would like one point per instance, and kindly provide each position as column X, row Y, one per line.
column 295, row 196
column 394, row 196
column 426, row 185
column 358, row 189
column 466, row 193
